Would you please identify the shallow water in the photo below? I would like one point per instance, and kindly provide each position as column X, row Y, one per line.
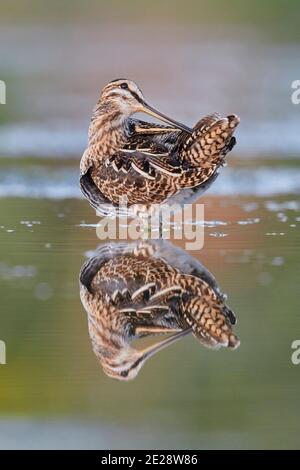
column 59, row 179
column 186, row 396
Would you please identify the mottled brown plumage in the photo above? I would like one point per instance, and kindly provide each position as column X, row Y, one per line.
column 139, row 164
column 135, row 290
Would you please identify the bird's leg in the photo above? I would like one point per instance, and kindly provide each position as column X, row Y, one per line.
column 145, row 227
column 149, row 226
column 160, row 222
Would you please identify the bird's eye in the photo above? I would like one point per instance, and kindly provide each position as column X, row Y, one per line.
column 124, row 86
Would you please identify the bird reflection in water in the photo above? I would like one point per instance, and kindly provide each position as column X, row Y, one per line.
column 147, row 288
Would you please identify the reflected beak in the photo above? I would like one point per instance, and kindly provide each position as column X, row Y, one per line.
column 151, row 350
column 146, row 108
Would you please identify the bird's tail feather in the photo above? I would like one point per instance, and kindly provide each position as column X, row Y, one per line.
column 211, row 322
column 211, row 140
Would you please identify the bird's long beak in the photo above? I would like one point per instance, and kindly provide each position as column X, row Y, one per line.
column 153, row 349
column 146, row 108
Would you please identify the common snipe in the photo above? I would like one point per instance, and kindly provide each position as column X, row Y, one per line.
column 139, row 164
column 147, row 288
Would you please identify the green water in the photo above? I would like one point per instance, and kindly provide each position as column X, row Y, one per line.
column 186, row 395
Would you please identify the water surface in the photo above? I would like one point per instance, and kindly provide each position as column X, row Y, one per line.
column 213, row 399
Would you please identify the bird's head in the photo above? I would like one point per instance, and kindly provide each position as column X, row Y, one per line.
column 125, row 98
column 126, row 363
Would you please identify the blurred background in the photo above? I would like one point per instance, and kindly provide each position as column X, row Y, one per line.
column 189, row 58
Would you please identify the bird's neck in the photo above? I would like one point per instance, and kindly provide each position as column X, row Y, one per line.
column 109, row 129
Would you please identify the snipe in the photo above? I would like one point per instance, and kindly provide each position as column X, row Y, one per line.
column 140, row 164
column 148, row 288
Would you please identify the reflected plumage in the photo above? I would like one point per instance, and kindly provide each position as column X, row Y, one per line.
column 147, row 288
column 140, row 164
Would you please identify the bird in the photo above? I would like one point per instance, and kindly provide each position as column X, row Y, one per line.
column 131, row 166
column 145, row 288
